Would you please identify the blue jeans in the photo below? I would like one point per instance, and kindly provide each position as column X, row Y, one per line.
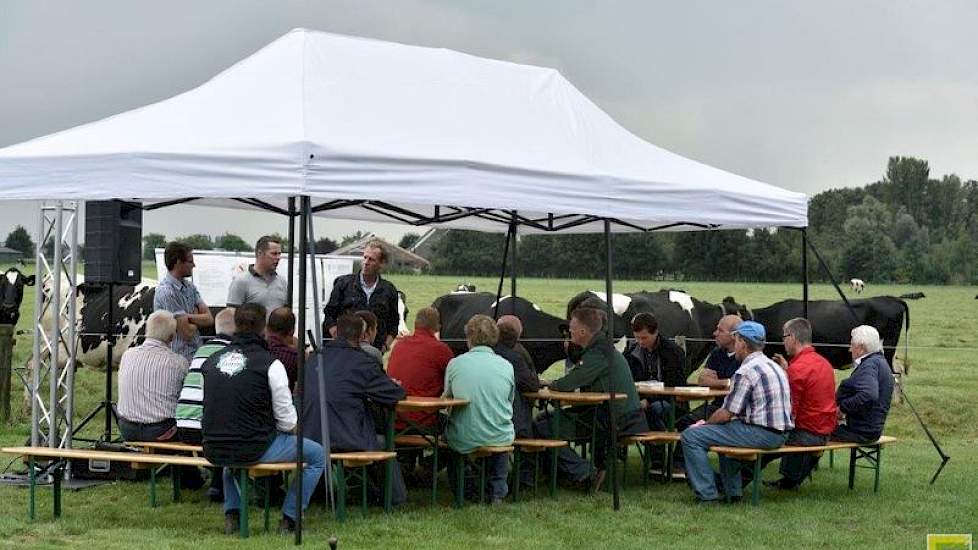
column 696, row 446
column 657, row 414
column 497, row 470
column 283, row 449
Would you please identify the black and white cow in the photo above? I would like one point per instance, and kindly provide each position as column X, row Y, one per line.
column 832, row 324
column 678, row 313
column 12, row 284
column 541, row 331
column 131, row 308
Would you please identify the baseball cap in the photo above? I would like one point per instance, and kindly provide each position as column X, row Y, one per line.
column 751, row 330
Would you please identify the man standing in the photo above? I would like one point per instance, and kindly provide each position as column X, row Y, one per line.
column 261, row 284
column 651, row 357
column 365, row 289
column 864, row 397
column 812, row 382
column 249, row 416
column 592, row 375
column 181, row 298
column 354, row 382
column 150, row 379
column 757, row 413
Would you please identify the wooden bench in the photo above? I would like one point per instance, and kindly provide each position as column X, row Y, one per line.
column 140, row 460
column 356, row 460
column 642, row 442
column 534, row 447
column 870, row 452
column 478, row 455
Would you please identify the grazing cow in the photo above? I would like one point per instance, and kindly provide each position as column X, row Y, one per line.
column 832, row 324
column 912, row 296
column 12, row 284
column 456, row 309
column 678, row 313
column 857, row 285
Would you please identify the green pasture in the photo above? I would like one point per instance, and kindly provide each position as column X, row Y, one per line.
column 823, row 514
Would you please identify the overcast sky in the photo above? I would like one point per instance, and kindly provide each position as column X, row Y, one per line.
column 803, row 95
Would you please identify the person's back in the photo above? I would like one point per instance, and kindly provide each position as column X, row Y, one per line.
column 865, row 396
column 418, row 362
column 812, row 382
column 486, row 381
column 352, row 379
column 281, row 342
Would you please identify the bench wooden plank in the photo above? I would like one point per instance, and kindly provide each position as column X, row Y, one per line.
column 150, row 446
column 416, row 441
column 650, row 437
column 493, row 450
column 750, row 453
column 527, row 445
column 361, row 458
column 137, row 458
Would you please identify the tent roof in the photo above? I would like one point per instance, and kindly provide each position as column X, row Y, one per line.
column 373, row 129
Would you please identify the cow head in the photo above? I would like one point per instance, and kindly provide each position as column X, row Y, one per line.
column 12, row 285
column 731, row 307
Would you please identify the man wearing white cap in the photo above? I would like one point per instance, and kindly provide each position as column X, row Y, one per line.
column 757, row 413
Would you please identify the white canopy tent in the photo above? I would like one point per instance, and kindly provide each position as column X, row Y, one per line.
column 387, row 131
column 371, row 130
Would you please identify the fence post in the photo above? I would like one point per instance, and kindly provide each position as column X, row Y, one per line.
column 6, row 355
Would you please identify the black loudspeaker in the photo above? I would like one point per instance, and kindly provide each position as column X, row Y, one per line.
column 113, row 242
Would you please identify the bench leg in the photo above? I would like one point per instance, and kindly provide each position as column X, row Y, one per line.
column 152, row 487
column 536, row 475
column 482, row 480
column 58, row 473
column 268, row 490
column 434, row 473
column 756, row 483
column 624, row 464
column 340, row 492
column 831, row 459
column 852, row 468
column 33, row 483
column 363, row 488
column 245, row 503
column 175, row 477
column 517, row 462
column 460, row 482
column 879, row 456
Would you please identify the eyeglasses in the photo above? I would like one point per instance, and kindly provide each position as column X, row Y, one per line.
column 783, row 336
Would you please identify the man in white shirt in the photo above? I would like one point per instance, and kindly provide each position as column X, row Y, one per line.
column 249, row 416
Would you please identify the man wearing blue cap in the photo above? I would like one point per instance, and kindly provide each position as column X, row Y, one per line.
column 756, row 414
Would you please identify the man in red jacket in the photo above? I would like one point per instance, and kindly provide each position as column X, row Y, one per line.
column 812, row 383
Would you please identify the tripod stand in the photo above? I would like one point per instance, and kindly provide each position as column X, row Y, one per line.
column 107, row 404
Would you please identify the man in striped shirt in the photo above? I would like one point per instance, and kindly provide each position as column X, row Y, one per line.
column 757, row 414
column 190, row 408
column 150, row 379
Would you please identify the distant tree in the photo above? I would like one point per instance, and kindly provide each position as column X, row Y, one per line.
column 198, row 241
column 19, row 239
column 152, row 241
column 232, row 242
column 468, row 253
column 352, row 238
column 325, row 245
column 408, row 240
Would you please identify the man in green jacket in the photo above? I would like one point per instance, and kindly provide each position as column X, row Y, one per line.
column 592, row 375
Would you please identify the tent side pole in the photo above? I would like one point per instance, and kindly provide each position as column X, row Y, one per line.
column 612, row 421
column 289, row 288
column 502, row 274
column 804, row 271
column 512, row 266
column 300, row 365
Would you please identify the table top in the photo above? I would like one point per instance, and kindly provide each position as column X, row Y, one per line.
column 680, row 392
column 418, row 403
column 573, row 397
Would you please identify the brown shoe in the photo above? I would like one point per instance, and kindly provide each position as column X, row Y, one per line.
column 597, row 480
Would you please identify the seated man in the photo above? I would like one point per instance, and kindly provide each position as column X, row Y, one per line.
column 352, row 381
column 418, row 362
column 757, row 413
column 864, row 397
column 651, row 357
column 486, row 381
column 510, row 328
column 249, row 416
column 150, row 379
column 812, row 382
column 282, row 343
column 190, row 408
column 720, row 366
column 586, row 332
column 369, row 335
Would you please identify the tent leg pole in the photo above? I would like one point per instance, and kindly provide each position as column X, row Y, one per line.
column 301, row 364
column 612, row 447
column 804, row 271
column 502, row 273
column 288, row 291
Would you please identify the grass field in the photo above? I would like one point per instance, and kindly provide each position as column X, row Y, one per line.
column 822, row 514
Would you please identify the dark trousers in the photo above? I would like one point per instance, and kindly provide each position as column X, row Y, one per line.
column 165, row 430
column 843, row 433
column 796, row 467
column 497, row 469
column 195, row 437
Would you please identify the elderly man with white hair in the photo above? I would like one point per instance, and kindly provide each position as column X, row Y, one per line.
column 150, row 379
column 864, row 397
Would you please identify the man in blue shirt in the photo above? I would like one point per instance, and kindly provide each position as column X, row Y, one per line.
column 180, row 297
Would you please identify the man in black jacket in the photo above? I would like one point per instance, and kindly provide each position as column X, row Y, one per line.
column 864, row 397
column 527, row 380
column 365, row 289
column 652, row 357
column 249, row 416
column 353, row 381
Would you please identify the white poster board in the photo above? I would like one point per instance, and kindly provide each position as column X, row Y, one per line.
column 214, row 270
